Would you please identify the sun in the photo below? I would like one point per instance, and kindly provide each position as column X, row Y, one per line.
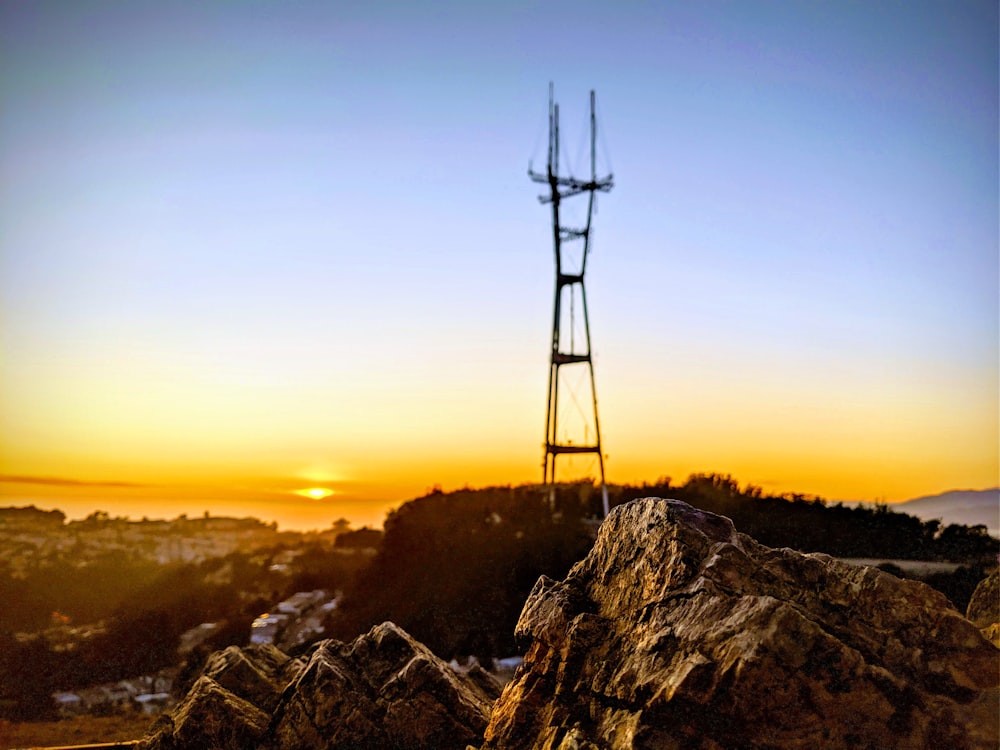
column 315, row 493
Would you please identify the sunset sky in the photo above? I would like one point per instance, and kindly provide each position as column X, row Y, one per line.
column 250, row 248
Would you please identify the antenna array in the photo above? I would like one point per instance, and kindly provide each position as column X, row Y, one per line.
column 569, row 281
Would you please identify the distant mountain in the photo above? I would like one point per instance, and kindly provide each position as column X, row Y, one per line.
column 966, row 507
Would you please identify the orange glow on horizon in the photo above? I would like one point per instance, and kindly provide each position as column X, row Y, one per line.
column 853, row 440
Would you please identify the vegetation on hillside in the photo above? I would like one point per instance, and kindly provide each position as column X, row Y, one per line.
column 811, row 524
column 453, row 569
column 137, row 631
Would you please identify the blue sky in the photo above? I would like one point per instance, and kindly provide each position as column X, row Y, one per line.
column 245, row 240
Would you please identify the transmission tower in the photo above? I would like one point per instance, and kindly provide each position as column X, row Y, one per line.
column 570, row 243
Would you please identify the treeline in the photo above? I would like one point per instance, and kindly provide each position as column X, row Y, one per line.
column 811, row 524
column 454, row 569
column 31, row 516
column 84, row 593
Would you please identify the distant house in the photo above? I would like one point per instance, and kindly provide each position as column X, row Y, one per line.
column 163, row 681
column 265, row 629
column 92, row 698
column 293, row 620
column 153, row 703
column 68, row 704
column 298, row 603
column 119, row 695
column 197, row 635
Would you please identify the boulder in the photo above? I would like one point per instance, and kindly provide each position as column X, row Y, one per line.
column 984, row 607
column 678, row 632
column 257, row 674
column 230, row 704
column 209, row 717
column 384, row 690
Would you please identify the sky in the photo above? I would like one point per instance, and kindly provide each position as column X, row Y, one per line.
column 253, row 248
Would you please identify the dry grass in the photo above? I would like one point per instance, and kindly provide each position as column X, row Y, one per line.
column 83, row 730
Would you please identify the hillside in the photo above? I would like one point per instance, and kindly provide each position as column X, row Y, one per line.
column 452, row 569
column 963, row 507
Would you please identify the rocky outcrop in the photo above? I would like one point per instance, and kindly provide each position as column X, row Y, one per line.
column 383, row 690
column 230, row 704
column 678, row 632
column 984, row 607
column 674, row 632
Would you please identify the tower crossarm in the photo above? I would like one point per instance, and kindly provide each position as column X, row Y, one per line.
column 555, row 448
column 570, row 185
column 562, row 358
column 574, row 183
column 605, row 183
column 581, row 187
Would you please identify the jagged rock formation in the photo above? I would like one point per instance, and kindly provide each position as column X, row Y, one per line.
column 984, row 607
column 675, row 632
column 384, row 690
column 678, row 632
column 229, row 706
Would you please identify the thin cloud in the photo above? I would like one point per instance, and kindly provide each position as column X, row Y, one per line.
column 64, row 482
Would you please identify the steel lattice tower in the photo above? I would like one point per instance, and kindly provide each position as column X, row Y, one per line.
column 564, row 353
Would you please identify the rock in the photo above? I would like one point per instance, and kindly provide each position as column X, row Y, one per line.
column 209, row 717
column 257, row 674
column 384, row 690
column 230, row 704
column 678, row 632
column 984, row 607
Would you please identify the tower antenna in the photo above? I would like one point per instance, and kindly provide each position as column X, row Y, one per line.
column 568, row 278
